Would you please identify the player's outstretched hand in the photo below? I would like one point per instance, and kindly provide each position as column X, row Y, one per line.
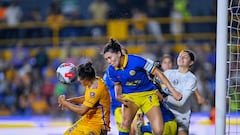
column 61, row 100
column 177, row 95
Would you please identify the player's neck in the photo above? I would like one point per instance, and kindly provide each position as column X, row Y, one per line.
column 91, row 82
column 183, row 69
column 121, row 61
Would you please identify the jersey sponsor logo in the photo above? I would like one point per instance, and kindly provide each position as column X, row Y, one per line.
column 132, row 72
column 92, row 94
column 133, row 83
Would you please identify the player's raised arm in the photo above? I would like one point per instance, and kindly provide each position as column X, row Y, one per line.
column 175, row 94
column 76, row 100
column 81, row 110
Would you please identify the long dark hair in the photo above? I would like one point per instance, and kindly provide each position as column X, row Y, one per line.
column 86, row 71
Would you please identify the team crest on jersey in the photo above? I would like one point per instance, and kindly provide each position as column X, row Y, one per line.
column 175, row 82
column 132, row 72
column 92, row 94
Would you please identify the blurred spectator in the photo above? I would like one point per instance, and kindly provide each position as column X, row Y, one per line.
column 154, row 28
column 139, row 19
column 176, row 26
column 39, row 105
column 120, row 9
column 13, row 17
column 13, row 14
column 48, row 90
column 35, row 17
column 69, row 6
column 67, row 54
column 178, row 14
column 55, row 18
column 3, row 10
column 41, row 59
column 72, row 30
column 165, row 7
column 20, row 55
column 54, row 7
column 10, row 101
column 99, row 10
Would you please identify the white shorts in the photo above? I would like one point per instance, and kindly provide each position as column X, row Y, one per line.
column 183, row 122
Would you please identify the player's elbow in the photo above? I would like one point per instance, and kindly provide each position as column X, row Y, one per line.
column 80, row 112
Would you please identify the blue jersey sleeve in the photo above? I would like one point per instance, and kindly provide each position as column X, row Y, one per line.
column 146, row 64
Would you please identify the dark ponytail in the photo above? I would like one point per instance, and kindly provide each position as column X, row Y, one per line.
column 112, row 46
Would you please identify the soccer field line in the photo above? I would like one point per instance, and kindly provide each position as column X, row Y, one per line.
column 67, row 124
column 33, row 124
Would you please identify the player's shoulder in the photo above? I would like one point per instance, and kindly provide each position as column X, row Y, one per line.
column 190, row 74
column 171, row 71
column 110, row 69
column 134, row 56
column 100, row 81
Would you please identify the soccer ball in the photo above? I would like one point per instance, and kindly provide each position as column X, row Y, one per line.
column 67, row 73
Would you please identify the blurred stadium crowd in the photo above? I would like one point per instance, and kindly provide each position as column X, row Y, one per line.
column 28, row 84
column 57, row 12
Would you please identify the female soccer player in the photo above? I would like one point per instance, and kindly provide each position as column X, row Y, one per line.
column 95, row 108
column 167, row 63
column 116, row 106
column 185, row 82
column 133, row 87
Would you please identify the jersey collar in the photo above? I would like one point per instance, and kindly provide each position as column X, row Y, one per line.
column 124, row 63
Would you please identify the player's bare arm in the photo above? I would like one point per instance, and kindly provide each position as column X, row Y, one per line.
column 81, row 110
column 119, row 96
column 76, row 100
column 175, row 94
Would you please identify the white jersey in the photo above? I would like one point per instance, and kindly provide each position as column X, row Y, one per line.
column 186, row 84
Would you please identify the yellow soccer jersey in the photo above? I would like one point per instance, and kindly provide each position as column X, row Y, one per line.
column 97, row 98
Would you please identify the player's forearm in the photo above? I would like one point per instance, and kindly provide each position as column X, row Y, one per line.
column 75, row 108
column 180, row 103
column 76, row 100
column 166, row 82
column 118, row 93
